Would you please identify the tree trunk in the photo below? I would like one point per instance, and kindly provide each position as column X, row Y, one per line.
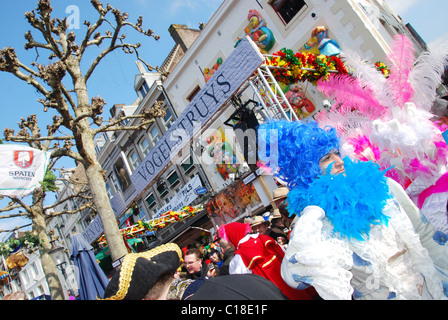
column 40, row 226
column 111, row 231
column 85, row 144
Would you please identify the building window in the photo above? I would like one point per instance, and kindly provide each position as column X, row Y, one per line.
column 287, row 9
column 143, row 90
column 154, row 134
column 187, row 165
column 144, row 146
column 168, row 119
column 25, row 276
column 114, row 182
column 134, row 160
column 192, row 94
column 35, row 270
column 40, row 290
column 108, row 190
column 122, row 174
column 162, row 189
column 173, row 180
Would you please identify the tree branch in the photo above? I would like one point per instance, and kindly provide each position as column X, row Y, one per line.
column 66, row 152
column 81, row 208
column 9, row 137
column 77, row 195
column 16, row 228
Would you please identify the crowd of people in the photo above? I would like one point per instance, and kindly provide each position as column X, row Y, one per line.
column 348, row 232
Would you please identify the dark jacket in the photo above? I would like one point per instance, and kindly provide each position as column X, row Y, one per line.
column 227, row 257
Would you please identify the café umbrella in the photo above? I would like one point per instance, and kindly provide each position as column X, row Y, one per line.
column 92, row 280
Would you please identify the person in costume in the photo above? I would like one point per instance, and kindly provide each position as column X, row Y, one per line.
column 358, row 235
column 388, row 118
column 261, row 255
column 146, row 275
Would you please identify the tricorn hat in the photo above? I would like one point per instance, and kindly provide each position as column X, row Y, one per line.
column 140, row 271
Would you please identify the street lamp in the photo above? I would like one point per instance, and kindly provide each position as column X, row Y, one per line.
column 57, row 253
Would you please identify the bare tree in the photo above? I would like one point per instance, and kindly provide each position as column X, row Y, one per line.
column 36, row 211
column 75, row 112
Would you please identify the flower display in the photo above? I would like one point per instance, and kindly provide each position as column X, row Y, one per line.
column 300, row 66
column 161, row 222
column 382, row 68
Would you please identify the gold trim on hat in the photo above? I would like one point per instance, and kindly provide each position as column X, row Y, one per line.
column 127, row 267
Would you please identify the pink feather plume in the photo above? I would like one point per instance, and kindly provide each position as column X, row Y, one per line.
column 349, row 94
column 401, row 59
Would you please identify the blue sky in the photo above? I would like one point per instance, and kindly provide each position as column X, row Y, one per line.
column 114, row 78
column 428, row 17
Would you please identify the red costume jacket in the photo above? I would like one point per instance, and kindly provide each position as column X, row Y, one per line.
column 263, row 256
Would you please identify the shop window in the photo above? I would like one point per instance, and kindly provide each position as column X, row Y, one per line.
column 287, row 9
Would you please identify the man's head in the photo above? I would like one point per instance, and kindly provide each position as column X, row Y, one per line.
column 193, row 261
column 332, row 159
column 279, row 195
column 259, row 225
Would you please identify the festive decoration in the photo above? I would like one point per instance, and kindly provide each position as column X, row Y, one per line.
column 382, row 68
column 168, row 218
column 209, row 72
column 351, row 216
column 224, row 158
column 258, row 31
column 391, row 108
column 301, row 105
column 290, row 67
column 326, row 46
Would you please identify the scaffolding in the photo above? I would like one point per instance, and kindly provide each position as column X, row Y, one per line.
column 270, row 95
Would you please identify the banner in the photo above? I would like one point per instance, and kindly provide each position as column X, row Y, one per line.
column 183, row 198
column 21, row 169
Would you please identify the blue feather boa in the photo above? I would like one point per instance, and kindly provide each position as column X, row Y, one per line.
column 352, row 202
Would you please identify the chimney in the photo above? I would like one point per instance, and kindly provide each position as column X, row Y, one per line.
column 183, row 35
